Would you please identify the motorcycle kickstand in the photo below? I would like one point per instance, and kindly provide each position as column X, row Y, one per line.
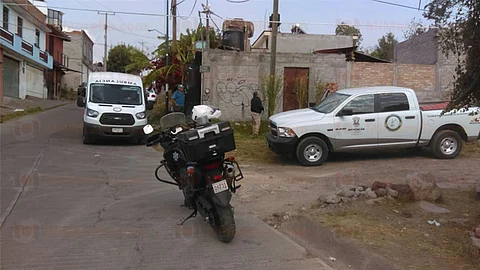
column 183, row 220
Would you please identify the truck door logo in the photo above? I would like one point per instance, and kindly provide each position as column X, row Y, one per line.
column 356, row 121
column 393, row 123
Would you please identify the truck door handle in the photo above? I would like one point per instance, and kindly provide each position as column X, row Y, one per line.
column 370, row 120
column 409, row 117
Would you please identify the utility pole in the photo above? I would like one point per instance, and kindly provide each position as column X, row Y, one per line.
column 273, row 53
column 105, row 43
column 143, row 43
column 174, row 21
column 167, row 62
column 208, row 26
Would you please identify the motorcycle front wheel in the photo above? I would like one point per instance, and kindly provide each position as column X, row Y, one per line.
column 224, row 223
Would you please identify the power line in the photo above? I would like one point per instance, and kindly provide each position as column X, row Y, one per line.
column 400, row 5
column 194, row 5
column 130, row 33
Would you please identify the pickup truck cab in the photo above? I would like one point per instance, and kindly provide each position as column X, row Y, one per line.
column 370, row 118
column 115, row 107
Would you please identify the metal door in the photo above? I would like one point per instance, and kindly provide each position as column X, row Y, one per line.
column 11, row 77
column 294, row 78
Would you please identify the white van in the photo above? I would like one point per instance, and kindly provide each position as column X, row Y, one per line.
column 115, row 107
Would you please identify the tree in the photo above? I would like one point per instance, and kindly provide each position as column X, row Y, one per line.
column 459, row 29
column 415, row 28
column 126, row 59
column 386, row 47
column 348, row 30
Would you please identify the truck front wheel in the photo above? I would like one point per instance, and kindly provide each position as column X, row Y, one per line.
column 87, row 138
column 312, row 151
column 446, row 144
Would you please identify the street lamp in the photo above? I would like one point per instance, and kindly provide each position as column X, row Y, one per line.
column 163, row 36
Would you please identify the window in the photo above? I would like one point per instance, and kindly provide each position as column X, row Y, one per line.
column 6, row 13
column 331, row 102
column 37, row 38
column 394, row 102
column 361, row 104
column 19, row 27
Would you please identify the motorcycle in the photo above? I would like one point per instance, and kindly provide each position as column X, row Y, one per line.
column 194, row 157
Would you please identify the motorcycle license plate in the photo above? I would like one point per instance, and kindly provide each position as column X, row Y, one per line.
column 117, row 130
column 220, row 186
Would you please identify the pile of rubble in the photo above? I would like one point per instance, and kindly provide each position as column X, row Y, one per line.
column 475, row 235
column 418, row 187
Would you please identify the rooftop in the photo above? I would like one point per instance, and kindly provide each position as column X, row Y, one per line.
column 374, row 90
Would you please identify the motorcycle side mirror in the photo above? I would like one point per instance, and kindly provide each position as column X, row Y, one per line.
column 148, row 129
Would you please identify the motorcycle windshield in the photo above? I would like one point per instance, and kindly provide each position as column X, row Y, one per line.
column 172, row 120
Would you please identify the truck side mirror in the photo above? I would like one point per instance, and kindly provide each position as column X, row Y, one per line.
column 81, row 91
column 80, row 101
column 345, row 112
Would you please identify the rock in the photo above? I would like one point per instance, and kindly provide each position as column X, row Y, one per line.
column 475, row 242
column 392, row 193
column 346, row 191
column 349, row 194
column 332, row 199
column 477, row 232
column 349, row 187
column 368, row 190
column 424, row 187
column 346, row 200
column 405, row 193
column 477, row 189
column 431, row 208
column 379, row 200
column 377, row 185
column 381, row 192
column 360, row 189
column 371, row 194
column 370, row 202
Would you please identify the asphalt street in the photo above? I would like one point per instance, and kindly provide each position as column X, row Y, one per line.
column 66, row 205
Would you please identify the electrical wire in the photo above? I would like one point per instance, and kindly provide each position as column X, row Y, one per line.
column 191, row 11
column 399, row 5
column 133, row 34
column 178, row 3
column 215, row 23
column 238, row 1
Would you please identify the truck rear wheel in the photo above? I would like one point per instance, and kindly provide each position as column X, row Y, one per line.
column 312, row 151
column 446, row 144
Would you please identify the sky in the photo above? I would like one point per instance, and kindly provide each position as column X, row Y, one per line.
column 314, row 16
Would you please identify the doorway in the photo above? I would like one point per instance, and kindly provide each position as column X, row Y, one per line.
column 295, row 91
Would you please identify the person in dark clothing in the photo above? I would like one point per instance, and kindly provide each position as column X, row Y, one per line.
column 256, row 109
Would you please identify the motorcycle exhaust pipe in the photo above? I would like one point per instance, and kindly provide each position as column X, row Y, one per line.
column 230, row 171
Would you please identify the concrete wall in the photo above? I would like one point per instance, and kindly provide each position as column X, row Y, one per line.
column 422, row 49
column 304, row 43
column 234, row 76
column 80, row 59
column 28, row 28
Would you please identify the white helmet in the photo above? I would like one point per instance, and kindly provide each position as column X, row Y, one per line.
column 205, row 112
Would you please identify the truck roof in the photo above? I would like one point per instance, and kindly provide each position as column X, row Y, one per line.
column 374, row 90
column 115, row 76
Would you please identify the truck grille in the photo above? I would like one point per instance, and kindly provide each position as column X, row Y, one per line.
column 121, row 119
column 273, row 129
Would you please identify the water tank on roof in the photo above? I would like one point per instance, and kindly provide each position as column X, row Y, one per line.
column 234, row 38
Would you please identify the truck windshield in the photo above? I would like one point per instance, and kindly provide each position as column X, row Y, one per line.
column 330, row 103
column 116, row 94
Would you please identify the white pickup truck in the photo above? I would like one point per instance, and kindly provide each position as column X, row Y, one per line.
column 370, row 118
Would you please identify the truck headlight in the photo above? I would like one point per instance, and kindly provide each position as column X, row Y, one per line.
column 92, row 113
column 141, row 115
column 285, row 132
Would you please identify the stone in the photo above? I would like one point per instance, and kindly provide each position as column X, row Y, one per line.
column 379, row 200
column 475, row 242
column 349, row 194
column 349, row 187
column 346, row 191
column 370, row 202
column 346, row 200
column 424, row 187
column 477, row 232
column 477, row 189
column 360, row 189
column 405, row 193
column 377, row 185
column 381, row 192
column 431, row 208
column 368, row 190
column 332, row 199
column 371, row 194
column 392, row 193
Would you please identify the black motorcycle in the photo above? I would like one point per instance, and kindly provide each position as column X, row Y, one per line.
column 194, row 157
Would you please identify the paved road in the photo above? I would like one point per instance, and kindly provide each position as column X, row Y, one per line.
column 65, row 205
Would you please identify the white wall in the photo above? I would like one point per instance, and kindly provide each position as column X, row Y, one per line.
column 28, row 28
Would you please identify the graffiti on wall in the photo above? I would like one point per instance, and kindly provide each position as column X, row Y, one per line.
column 234, row 91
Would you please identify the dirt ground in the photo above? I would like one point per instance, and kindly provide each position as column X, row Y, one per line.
column 288, row 191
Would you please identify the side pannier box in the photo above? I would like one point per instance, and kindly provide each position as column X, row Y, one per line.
column 208, row 142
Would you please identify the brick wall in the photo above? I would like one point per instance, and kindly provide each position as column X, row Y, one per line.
column 371, row 74
column 417, row 77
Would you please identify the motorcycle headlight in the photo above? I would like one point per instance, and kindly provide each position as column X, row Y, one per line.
column 285, row 132
column 92, row 113
column 141, row 115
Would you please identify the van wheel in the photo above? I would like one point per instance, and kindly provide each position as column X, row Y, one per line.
column 446, row 144
column 87, row 138
column 312, row 151
column 142, row 140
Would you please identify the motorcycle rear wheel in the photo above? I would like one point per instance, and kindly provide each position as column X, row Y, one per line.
column 224, row 223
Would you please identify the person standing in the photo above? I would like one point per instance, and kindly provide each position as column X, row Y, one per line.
column 179, row 99
column 256, row 108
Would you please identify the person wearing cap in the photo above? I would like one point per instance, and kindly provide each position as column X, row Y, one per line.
column 179, row 99
column 256, row 108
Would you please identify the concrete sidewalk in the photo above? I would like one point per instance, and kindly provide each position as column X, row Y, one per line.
column 9, row 105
